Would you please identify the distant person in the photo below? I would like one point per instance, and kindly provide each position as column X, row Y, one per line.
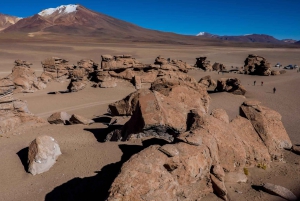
column 254, row 83
column 262, row 83
column 274, row 90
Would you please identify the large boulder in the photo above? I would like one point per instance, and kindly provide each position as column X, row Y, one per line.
column 269, row 127
column 118, row 62
column 231, row 85
column 42, row 154
column 257, row 65
column 55, row 68
column 162, row 111
column 153, row 175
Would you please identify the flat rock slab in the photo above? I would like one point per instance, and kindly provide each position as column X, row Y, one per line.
column 280, row 191
column 77, row 119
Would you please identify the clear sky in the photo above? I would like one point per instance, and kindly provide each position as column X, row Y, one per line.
column 279, row 18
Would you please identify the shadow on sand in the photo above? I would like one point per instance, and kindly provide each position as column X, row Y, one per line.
column 97, row 187
column 23, row 156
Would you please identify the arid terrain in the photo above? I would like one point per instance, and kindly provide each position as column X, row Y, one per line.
column 87, row 166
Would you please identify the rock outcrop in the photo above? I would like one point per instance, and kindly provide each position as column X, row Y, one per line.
column 22, row 79
column 210, row 152
column 257, row 65
column 203, row 64
column 42, row 154
column 161, row 111
column 55, row 68
column 269, row 127
column 231, row 85
column 125, row 67
column 14, row 113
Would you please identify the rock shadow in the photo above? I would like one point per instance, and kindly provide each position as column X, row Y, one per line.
column 23, row 156
column 59, row 92
column 101, row 133
column 102, row 119
column 97, row 187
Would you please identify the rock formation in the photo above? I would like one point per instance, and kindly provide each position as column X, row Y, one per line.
column 232, row 85
column 82, row 73
column 257, row 65
column 125, row 67
column 207, row 149
column 59, row 118
column 55, row 69
column 207, row 81
column 14, row 113
column 22, row 79
column 218, row 67
column 202, row 63
column 42, row 154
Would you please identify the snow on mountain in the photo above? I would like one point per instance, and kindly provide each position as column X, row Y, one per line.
column 201, row 34
column 61, row 9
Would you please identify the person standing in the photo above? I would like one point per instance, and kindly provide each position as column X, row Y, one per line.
column 274, row 90
column 254, row 83
column 262, row 83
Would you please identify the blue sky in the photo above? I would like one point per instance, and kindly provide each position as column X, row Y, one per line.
column 279, row 18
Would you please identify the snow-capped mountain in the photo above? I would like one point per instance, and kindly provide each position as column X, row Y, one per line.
column 6, row 21
column 59, row 10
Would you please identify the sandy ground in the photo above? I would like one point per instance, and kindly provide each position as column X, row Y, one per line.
column 88, row 166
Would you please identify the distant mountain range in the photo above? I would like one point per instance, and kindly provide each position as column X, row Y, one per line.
column 76, row 20
column 252, row 38
column 6, row 21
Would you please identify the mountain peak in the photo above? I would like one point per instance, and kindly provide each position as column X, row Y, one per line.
column 63, row 9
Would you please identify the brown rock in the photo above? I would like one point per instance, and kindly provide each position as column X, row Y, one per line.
column 268, row 125
column 77, row 119
column 257, row 65
column 59, row 118
column 218, row 172
column 220, row 114
column 219, row 187
column 218, row 67
column 231, row 85
column 207, row 81
column 279, row 191
column 75, row 86
column 203, row 64
column 42, row 154
column 169, row 149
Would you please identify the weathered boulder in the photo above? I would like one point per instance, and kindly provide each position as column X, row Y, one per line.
column 218, row 67
column 77, row 119
column 203, row 64
column 279, row 191
column 219, row 187
column 275, row 72
column 231, row 85
column 22, row 79
column 42, row 154
column 14, row 113
column 207, row 81
column 59, row 118
column 269, row 127
column 126, row 106
column 163, row 112
column 156, row 176
column 257, row 65
column 75, row 86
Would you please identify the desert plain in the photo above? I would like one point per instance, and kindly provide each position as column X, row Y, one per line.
column 88, row 166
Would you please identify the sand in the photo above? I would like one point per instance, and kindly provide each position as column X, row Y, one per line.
column 87, row 166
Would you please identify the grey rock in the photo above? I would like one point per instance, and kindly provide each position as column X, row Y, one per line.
column 279, row 191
